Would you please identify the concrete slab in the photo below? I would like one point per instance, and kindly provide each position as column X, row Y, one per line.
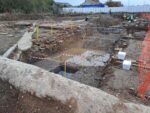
column 90, row 58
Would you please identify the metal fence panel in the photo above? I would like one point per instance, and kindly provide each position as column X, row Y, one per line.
column 130, row 9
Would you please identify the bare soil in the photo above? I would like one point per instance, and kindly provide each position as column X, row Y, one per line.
column 112, row 78
column 14, row 101
column 9, row 35
column 54, row 44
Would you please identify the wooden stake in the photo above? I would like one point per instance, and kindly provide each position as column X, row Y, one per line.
column 65, row 69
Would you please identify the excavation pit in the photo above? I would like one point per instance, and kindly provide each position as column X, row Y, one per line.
column 91, row 56
column 65, row 71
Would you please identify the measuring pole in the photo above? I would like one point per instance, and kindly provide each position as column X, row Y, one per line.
column 65, row 69
column 37, row 32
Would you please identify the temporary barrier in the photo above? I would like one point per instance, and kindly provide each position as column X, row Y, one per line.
column 143, row 63
column 130, row 9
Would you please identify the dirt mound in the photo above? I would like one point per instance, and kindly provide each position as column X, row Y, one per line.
column 101, row 42
column 106, row 21
column 13, row 101
column 19, row 16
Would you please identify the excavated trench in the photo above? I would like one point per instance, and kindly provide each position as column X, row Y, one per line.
column 53, row 49
column 12, row 100
column 109, row 77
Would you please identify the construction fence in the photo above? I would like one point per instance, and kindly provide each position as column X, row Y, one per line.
column 129, row 9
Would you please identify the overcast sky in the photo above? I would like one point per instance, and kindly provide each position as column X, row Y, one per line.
column 125, row 2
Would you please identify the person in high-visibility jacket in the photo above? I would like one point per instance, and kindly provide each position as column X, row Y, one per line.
column 130, row 18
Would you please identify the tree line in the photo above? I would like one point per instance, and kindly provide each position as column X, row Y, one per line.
column 25, row 6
